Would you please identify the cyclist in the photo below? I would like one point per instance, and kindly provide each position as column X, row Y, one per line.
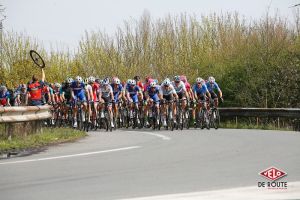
column 95, row 92
column 180, row 89
column 139, row 82
column 106, row 95
column 90, row 96
column 200, row 93
column 168, row 94
column 34, row 90
column 153, row 95
column 78, row 93
column 118, row 91
column 133, row 93
column 65, row 95
column 21, row 95
column 212, row 86
column 4, row 96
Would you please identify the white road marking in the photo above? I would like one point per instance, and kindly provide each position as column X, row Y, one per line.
column 245, row 193
column 153, row 134
column 70, row 156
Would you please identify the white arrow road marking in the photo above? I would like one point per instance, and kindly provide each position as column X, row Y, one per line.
column 72, row 155
column 153, row 134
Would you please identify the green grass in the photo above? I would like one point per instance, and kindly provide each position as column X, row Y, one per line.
column 48, row 137
column 252, row 126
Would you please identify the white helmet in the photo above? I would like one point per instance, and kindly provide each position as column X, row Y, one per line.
column 91, row 79
column 167, row 82
column 117, row 81
column 105, row 81
column 69, row 80
column 211, row 79
column 78, row 79
column 152, row 84
column 199, row 80
column 58, row 85
column 128, row 81
column 132, row 82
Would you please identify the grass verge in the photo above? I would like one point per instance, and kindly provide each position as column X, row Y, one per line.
column 252, row 126
column 48, row 137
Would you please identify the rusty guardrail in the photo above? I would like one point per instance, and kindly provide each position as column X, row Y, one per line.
column 23, row 120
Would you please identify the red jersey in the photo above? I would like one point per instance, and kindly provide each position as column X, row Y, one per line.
column 35, row 90
column 95, row 87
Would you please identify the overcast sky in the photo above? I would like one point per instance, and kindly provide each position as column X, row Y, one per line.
column 63, row 22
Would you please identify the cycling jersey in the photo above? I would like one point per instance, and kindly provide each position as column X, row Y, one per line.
column 180, row 88
column 35, row 90
column 96, row 90
column 200, row 90
column 4, row 97
column 187, row 86
column 166, row 91
column 212, row 87
column 106, row 91
column 117, row 89
column 133, row 92
column 153, row 93
column 79, row 90
column 141, row 85
column 66, row 90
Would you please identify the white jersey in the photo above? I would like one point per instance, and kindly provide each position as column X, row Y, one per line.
column 106, row 91
column 180, row 88
column 167, row 91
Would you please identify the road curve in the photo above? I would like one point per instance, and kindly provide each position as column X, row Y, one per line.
column 131, row 164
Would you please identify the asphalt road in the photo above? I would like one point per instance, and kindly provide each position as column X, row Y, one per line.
column 129, row 164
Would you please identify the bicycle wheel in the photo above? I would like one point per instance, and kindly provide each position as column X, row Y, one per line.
column 37, row 59
column 217, row 119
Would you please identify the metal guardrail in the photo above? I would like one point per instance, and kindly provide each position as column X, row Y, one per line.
column 260, row 112
column 24, row 113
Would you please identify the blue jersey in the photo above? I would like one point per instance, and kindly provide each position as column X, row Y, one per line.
column 78, row 88
column 200, row 90
column 133, row 90
column 4, row 95
column 151, row 92
column 117, row 90
column 212, row 87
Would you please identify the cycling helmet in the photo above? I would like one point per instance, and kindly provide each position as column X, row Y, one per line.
column 167, row 82
column 199, row 80
column 78, row 79
column 129, row 81
column 69, row 80
column 105, row 82
column 176, row 78
column 211, row 79
column 117, row 81
column 57, row 85
column 152, row 84
column 132, row 82
column 23, row 86
column 91, row 79
column 3, row 88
